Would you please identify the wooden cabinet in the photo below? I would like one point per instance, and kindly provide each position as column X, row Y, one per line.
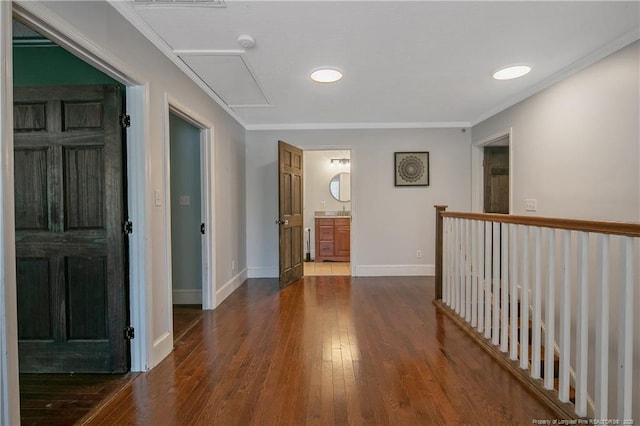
column 333, row 239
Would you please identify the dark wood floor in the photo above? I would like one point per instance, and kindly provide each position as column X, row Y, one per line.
column 65, row 399
column 185, row 317
column 325, row 351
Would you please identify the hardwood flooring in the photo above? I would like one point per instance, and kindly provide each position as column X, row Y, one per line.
column 184, row 318
column 64, row 399
column 325, row 351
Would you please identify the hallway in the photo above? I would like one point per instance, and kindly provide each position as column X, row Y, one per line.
column 325, row 351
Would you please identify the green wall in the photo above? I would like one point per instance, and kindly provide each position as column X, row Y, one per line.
column 186, row 240
column 53, row 66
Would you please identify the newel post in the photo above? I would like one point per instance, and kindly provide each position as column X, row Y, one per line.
column 439, row 241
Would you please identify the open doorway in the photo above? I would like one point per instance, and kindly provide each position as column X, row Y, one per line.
column 186, row 224
column 491, row 171
column 327, row 212
column 71, row 198
column 496, row 177
column 70, row 201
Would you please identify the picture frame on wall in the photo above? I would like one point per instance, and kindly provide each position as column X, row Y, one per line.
column 411, row 168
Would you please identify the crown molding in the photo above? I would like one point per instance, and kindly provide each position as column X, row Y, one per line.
column 359, row 126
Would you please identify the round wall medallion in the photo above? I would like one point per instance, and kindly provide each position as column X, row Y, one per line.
column 411, row 168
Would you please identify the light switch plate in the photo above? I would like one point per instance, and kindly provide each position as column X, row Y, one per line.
column 531, row 205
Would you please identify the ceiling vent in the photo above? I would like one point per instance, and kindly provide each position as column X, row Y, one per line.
column 180, row 3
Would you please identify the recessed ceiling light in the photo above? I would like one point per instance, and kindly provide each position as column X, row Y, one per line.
column 326, row 75
column 510, row 72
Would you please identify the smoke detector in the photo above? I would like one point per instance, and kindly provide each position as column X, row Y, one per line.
column 246, row 41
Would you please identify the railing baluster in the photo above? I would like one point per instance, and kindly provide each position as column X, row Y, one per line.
column 487, row 280
column 514, row 293
column 602, row 330
column 582, row 326
column 524, row 302
column 469, row 258
column 445, row 260
column 504, row 288
column 480, row 276
column 456, row 282
column 549, row 346
column 625, row 336
column 474, row 273
column 460, row 271
column 537, row 304
column 463, row 270
column 451, row 262
column 461, row 265
column 496, row 284
column 565, row 316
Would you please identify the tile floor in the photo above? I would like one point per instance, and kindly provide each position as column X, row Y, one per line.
column 327, row 268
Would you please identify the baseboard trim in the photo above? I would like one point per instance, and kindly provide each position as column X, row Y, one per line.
column 162, row 347
column 187, row 297
column 394, row 270
column 230, row 286
column 262, row 272
column 536, row 386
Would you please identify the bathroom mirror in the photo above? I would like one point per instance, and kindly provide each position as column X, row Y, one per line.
column 340, row 186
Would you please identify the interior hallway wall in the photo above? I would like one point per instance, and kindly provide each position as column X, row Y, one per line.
column 389, row 223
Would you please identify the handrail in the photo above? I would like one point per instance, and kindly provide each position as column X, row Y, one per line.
column 627, row 229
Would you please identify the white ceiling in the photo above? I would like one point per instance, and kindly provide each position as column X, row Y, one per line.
column 405, row 64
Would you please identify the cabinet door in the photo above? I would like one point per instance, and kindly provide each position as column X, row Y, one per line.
column 342, row 237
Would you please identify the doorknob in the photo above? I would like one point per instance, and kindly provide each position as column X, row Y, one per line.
column 282, row 222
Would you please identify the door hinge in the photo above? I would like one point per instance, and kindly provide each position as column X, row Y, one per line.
column 129, row 333
column 125, row 120
column 202, row 228
column 127, row 227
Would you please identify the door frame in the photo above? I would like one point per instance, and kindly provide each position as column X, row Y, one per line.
column 207, row 198
column 9, row 381
column 352, row 201
column 352, row 150
column 477, row 169
column 138, row 151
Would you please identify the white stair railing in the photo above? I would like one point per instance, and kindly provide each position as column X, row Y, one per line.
column 532, row 287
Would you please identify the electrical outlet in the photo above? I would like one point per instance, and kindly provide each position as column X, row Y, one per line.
column 531, row 205
column 418, row 253
column 323, row 204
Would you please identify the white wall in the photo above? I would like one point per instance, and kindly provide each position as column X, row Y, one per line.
column 575, row 145
column 318, row 172
column 389, row 223
column 116, row 39
column 576, row 149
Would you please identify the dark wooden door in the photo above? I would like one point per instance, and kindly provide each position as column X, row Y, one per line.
column 72, row 297
column 290, row 213
column 496, row 179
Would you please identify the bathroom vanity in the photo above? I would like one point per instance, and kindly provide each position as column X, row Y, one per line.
column 333, row 237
